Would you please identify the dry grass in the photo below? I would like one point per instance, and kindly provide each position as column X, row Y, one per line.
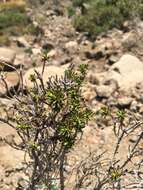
column 12, row 4
column 4, row 40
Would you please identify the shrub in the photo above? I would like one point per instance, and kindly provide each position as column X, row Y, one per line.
column 14, row 19
column 113, row 169
column 100, row 16
column 48, row 119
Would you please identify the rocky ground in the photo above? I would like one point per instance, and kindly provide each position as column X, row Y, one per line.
column 114, row 78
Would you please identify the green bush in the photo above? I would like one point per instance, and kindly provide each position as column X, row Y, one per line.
column 48, row 118
column 10, row 18
column 14, row 21
column 99, row 16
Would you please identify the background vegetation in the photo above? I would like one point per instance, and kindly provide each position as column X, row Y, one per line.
column 97, row 16
column 14, row 20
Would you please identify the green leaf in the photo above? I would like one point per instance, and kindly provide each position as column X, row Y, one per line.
column 23, row 126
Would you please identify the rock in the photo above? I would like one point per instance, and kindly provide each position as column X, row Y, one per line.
column 92, row 78
column 21, row 42
column 19, row 60
column 126, row 26
column 46, row 45
column 140, row 24
column 129, row 40
column 5, row 104
column 134, row 106
column 36, row 51
column 128, row 72
column 104, row 91
column 7, row 55
column 65, row 60
column 94, row 54
column 141, row 110
column 26, row 61
column 112, row 59
column 35, row 24
column 100, row 51
column 88, row 93
column 141, row 98
column 22, row 184
column 85, row 42
column 50, row 13
column 9, row 157
column 71, row 46
column 112, row 102
column 11, row 79
column 48, row 72
column 2, row 172
column 52, row 54
column 124, row 102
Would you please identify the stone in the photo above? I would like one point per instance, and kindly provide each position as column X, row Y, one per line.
column 27, row 61
column 134, row 106
column 130, row 40
column 112, row 59
column 141, row 98
column 124, row 102
column 46, row 45
column 94, row 54
column 7, row 55
column 65, row 60
column 100, row 51
column 35, row 24
column 2, row 172
column 9, row 157
column 22, row 184
column 19, row 60
column 128, row 72
column 36, row 51
column 88, row 93
column 11, row 79
column 112, row 102
column 141, row 110
column 92, row 78
column 21, row 42
column 52, row 54
column 5, row 104
column 140, row 24
column 71, row 46
column 48, row 72
column 104, row 91
column 126, row 26
column 50, row 13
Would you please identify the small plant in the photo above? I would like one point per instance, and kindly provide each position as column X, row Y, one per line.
column 48, row 119
column 111, row 170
